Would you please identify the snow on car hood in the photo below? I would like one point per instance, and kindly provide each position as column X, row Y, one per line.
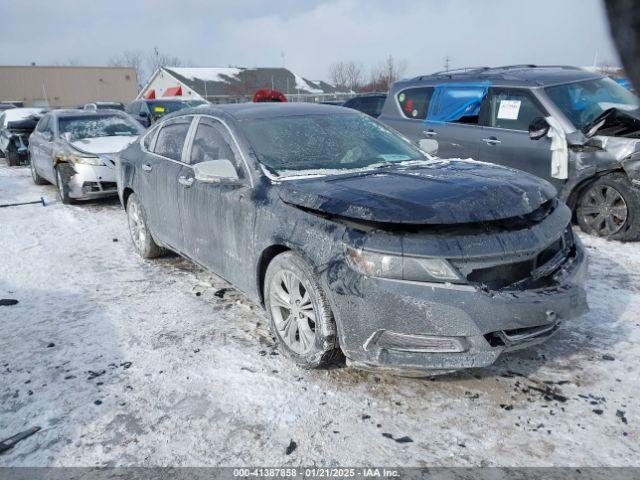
column 113, row 144
column 440, row 193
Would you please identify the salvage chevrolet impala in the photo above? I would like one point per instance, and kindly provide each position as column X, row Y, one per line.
column 356, row 242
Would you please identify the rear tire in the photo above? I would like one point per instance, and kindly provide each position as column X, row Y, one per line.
column 610, row 208
column 300, row 314
column 13, row 157
column 37, row 179
column 141, row 237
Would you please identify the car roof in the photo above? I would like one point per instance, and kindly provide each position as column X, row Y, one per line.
column 511, row 75
column 250, row 110
column 369, row 95
column 85, row 113
column 181, row 100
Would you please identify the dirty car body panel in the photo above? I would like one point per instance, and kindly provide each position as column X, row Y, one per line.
column 518, row 269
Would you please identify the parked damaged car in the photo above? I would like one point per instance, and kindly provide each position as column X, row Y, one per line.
column 577, row 129
column 16, row 124
column 76, row 149
column 356, row 242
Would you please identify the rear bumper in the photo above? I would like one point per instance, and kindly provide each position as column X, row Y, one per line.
column 469, row 327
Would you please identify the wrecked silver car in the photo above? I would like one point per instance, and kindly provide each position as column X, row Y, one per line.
column 356, row 242
column 75, row 150
column 578, row 129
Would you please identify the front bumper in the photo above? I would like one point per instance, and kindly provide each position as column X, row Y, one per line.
column 485, row 323
column 89, row 181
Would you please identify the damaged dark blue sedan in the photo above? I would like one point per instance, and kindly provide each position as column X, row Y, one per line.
column 357, row 243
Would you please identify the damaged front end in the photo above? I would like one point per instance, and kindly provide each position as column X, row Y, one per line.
column 87, row 175
column 421, row 298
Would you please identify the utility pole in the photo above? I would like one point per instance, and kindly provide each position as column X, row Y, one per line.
column 447, row 61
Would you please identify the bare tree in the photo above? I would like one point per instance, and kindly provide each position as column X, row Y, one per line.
column 133, row 59
column 145, row 63
column 156, row 59
column 354, row 77
column 385, row 74
column 338, row 74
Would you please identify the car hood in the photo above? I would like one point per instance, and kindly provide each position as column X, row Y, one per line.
column 438, row 192
column 112, row 144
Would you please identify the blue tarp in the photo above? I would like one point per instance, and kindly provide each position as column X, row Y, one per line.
column 624, row 82
column 452, row 101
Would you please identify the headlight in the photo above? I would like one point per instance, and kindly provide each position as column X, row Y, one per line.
column 399, row 267
column 81, row 159
column 84, row 160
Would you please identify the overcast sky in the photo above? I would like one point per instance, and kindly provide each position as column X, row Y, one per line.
column 312, row 34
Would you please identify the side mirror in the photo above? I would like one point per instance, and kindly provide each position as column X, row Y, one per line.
column 48, row 136
column 538, row 128
column 216, row 171
column 144, row 114
column 66, row 136
column 428, row 145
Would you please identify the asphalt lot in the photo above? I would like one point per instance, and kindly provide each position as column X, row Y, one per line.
column 124, row 361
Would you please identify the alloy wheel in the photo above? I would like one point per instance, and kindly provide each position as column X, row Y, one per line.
column 293, row 312
column 136, row 226
column 604, row 209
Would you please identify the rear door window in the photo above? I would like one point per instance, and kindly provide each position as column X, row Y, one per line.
column 414, row 102
column 171, row 138
column 457, row 103
column 511, row 109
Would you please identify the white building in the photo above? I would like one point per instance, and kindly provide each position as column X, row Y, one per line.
column 230, row 84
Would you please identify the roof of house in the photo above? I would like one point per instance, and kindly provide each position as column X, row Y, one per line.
column 216, row 81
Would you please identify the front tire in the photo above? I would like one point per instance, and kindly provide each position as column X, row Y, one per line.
column 63, row 188
column 300, row 314
column 610, row 208
column 141, row 237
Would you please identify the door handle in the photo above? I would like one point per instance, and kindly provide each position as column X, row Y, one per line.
column 146, row 167
column 186, row 182
column 491, row 141
column 429, row 133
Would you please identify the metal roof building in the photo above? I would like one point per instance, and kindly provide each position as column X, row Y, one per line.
column 231, row 84
column 36, row 86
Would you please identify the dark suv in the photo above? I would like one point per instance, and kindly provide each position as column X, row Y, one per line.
column 576, row 128
column 370, row 104
column 148, row 111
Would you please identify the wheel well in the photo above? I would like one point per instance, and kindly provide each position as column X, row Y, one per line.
column 574, row 196
column 125, row 196
column 265, row 259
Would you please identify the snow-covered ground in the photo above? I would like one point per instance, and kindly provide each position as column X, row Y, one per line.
column 123, row 361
